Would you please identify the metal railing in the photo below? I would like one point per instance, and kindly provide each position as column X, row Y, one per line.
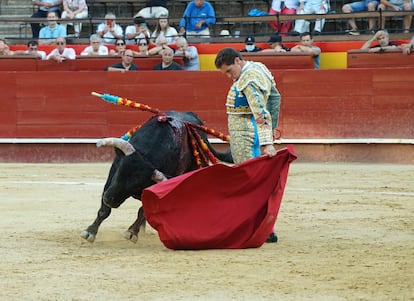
column 257, row 25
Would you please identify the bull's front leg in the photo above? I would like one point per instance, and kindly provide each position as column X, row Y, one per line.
column 132, row 232
column 90, row 233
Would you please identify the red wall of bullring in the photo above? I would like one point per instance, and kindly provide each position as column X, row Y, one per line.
column 346, row 103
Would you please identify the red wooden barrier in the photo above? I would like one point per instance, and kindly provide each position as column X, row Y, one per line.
column 364, row 59
column 355, row 103
column 23, row 63
column 281, row 60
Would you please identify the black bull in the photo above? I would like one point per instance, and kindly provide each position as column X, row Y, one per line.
column 156, row 151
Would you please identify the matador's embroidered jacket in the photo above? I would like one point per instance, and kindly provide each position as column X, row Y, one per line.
column 255, row 93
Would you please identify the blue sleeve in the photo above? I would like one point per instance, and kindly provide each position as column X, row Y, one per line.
column 187, row 13
column 62, row 31
column 42, row 34
column 211, row 15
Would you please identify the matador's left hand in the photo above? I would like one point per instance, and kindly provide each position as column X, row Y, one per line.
column 269, row 150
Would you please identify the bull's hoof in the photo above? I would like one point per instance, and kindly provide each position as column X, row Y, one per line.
column 272, row 238
column 131, row 236
column 87, row 236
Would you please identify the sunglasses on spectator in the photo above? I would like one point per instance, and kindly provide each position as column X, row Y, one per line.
column 33, row 48
column 120, row 44
column 142, row 44
column 60, row 43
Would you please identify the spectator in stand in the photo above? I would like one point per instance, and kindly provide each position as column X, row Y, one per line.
column 160, row 45
column 133, row 33
column 167, row 63
column 306, row 47
column 4, row 48
column 360, row 6
column 289, row 8
column 74, row 9
column 197, row 18
column 398, row 5
column 32, row 50
column 126, row 63
column 143, row 45
column 52, row 31
column 44, row 6
column 310, row 7
column 96, row 47
column 120, row 48
column 276, row 44
column 153, row 9
column 163, row 28
column 61, row 52
column 383, row 42
column 407, row 48
column 109, row 30
column 189, row 53
column 250, row 45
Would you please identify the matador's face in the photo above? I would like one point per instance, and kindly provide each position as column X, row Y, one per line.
column 233, row 71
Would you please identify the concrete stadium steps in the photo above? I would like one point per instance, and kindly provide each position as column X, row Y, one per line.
column 15, row 9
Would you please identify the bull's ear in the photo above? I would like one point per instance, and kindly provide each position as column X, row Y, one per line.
column 123, row 145
column 158, row 176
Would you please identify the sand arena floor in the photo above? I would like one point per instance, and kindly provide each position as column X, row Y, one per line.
column 346, row 232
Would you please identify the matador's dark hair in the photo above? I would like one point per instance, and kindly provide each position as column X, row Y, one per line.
column 226, row 56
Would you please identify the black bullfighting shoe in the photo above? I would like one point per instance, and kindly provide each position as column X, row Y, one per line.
column 272, row 237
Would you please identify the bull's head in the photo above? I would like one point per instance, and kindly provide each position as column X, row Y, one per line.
column 131, row 176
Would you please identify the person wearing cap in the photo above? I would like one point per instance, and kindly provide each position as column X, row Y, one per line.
column 253, row 104
column 109, row 30
column 136, row 32
column 306, row 47
column 276, row 44
column 249, row 45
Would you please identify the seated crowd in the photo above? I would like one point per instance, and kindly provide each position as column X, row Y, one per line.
column 199, row 16
column 110, row 38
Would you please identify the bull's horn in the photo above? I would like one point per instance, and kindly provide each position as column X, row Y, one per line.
column 158, row 176
column 123, row 145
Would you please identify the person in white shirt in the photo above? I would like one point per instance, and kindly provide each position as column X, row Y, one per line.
column 95, row 47
column 153, row 9
column 163, row 29
column 61, row 52
column 109, row 30
column 307, row 7
column 74, row 9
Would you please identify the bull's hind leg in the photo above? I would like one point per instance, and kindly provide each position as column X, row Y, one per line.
column 132, row 232
column 90, row 233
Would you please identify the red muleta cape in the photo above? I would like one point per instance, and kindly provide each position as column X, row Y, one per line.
column 220, row 206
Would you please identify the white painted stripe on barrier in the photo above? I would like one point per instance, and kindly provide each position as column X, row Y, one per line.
column 353, row 191
column 217, row 141
column 55, row 183
column 101, row 184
